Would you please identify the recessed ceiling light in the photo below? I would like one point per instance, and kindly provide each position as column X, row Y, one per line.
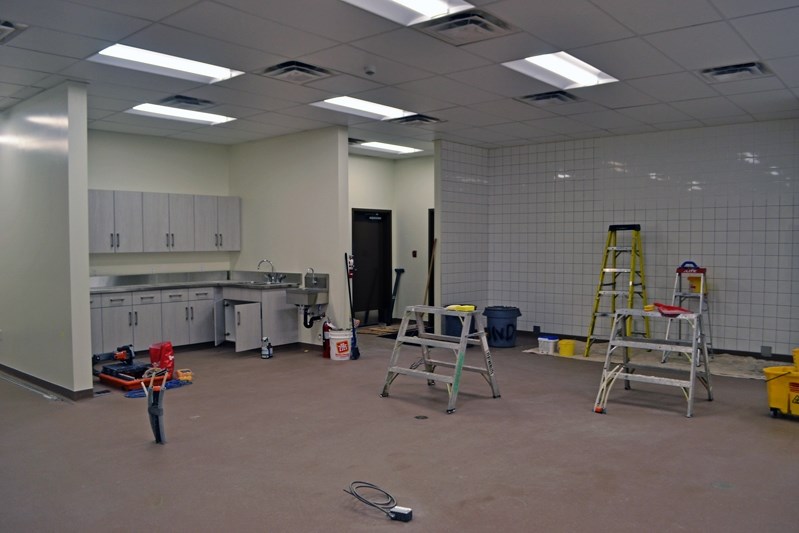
column 363, row 108
column 408, row 12
column 187, row 115
column 560, row 69
column 392, row 148
column 120, row 55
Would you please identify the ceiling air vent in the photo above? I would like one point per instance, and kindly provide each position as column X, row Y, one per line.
column 743, row 71
column 415, row 120
column 297, row 72
column 466, row 27
column 549, row 99
column 10, row 30
column 186, row 102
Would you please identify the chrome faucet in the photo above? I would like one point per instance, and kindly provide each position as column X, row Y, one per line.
column 313, row 276
column 270, row 277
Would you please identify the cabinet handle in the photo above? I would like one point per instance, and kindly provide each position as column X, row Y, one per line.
column 173, row 240
column 200, row 294
column 192, row 312
column 130, row 318
column 221, row 239
column 117, row 240
column 216, row 239
column 238, row 320
column 187, row 313
column 136, row 318
column 167, row 240
column 146, row 297
column 112, row 240
column 175, row 296
column 116, row 300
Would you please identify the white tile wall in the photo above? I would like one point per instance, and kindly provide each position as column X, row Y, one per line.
column 526, row 226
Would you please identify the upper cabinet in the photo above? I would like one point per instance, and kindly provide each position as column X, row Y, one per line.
column 217, row 223
column 115, row 221
column 168, row 222
column 124, row 221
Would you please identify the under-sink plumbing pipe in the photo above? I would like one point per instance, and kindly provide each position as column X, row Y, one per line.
column 307, row 321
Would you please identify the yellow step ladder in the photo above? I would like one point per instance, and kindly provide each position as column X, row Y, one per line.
column 621, row 277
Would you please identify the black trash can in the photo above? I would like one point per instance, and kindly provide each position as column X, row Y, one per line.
column 501, row 325
column 453, row 326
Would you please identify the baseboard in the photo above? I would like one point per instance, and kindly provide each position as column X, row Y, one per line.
column 47, row 386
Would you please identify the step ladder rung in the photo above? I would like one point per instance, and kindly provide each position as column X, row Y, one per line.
column 617, row 270
column 620, row 248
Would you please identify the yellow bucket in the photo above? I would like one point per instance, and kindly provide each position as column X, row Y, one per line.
column 782, row 386
column 796, row 358
column 566, row 347
column 695, row 284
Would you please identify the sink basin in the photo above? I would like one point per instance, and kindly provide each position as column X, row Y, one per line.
column 306, row 296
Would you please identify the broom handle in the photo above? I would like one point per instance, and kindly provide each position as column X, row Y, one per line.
column 430, row 271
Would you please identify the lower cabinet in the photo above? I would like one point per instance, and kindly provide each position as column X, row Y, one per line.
column 187, row 320
column 280, row 320
column 146, row 325
column 242, row 324
column 201, row 321
column 117, row 327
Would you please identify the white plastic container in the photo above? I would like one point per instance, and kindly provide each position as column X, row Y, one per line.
column 547, row 344
column 340, row 341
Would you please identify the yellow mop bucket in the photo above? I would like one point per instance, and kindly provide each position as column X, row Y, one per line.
column 782, row 387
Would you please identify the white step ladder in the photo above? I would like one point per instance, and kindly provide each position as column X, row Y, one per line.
column 690, row 285
column 430, row 341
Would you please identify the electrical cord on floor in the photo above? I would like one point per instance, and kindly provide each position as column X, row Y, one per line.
column 389, row 506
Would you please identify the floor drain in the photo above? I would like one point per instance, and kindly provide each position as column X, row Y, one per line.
column 420, row 417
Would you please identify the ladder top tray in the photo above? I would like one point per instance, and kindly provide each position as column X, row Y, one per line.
column 641, row 312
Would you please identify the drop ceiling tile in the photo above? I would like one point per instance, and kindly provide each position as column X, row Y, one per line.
column 262, row 85
column 485, row 135
column 771, row 34
column 118, row 127
column 251, row 126
column 288, row 121
column 650, row 17
column 674, row 87
column 414, row 102
column 512, row 110
column 627, row 59
column 6, row 102
column 409, row 46
column 518, row 130
column 322, row 115
column 235, row 111
column 787, row 69
column 722, row 121
column 20, row 76
column 654, row 114
column 58, row 43
column 214, row 137
column 151, row 122
column 448, row 90
column 97, row 114
column 576, row 108
column 738, row 8
column 145, row 9
column 72, row 18
column 564, row 125
column 565, row 24
column 99, row 72
column 183, row 43
column 353, row 61
column 510, row 47
column 30, row 60
column 613, row 95
column 343, row 84
column 768, row 83
column 105, row 103
column 704, row 46
column 705, row 108
column 8, row 89
column 766, row 102
column 233, row 26
column 225, row 95
column 471, row 117
column 607, row 120
column 632, row 130
column 334, row 20
column 501, row 80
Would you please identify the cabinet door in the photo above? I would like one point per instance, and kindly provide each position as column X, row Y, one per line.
column 247, row 326
column 101, row 222
column 155, row 209
column 201, row 321
column 175, row 322
column 97, row 330
column 181, row 222
column 229, row 212
column 117, row 327
column 146, row 325
column 128, row 221
column 206, row 235
column 280, row 320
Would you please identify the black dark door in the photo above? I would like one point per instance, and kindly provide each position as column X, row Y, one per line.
column 371, row 248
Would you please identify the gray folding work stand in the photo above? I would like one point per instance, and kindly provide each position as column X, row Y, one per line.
column 428, row 341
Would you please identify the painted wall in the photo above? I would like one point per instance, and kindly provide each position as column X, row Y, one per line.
column 724, row 197
column 404, row 187
column 154, row 164
column 44, row 282
column 295, row 208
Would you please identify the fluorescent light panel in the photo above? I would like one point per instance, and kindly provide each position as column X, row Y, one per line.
column 124, row 56
column 363, row 108
column 385, row 147
column 409, row 12
column 174, row 113
column 560, row 69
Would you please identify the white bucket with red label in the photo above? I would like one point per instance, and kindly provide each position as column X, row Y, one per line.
column 340, row 344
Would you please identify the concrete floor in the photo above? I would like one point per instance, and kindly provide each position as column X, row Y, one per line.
column 268, row 445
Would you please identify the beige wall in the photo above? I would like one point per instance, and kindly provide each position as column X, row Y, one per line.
column 44, row 283
column 154, row 164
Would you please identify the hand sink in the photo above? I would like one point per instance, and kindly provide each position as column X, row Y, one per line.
column 306, row 296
